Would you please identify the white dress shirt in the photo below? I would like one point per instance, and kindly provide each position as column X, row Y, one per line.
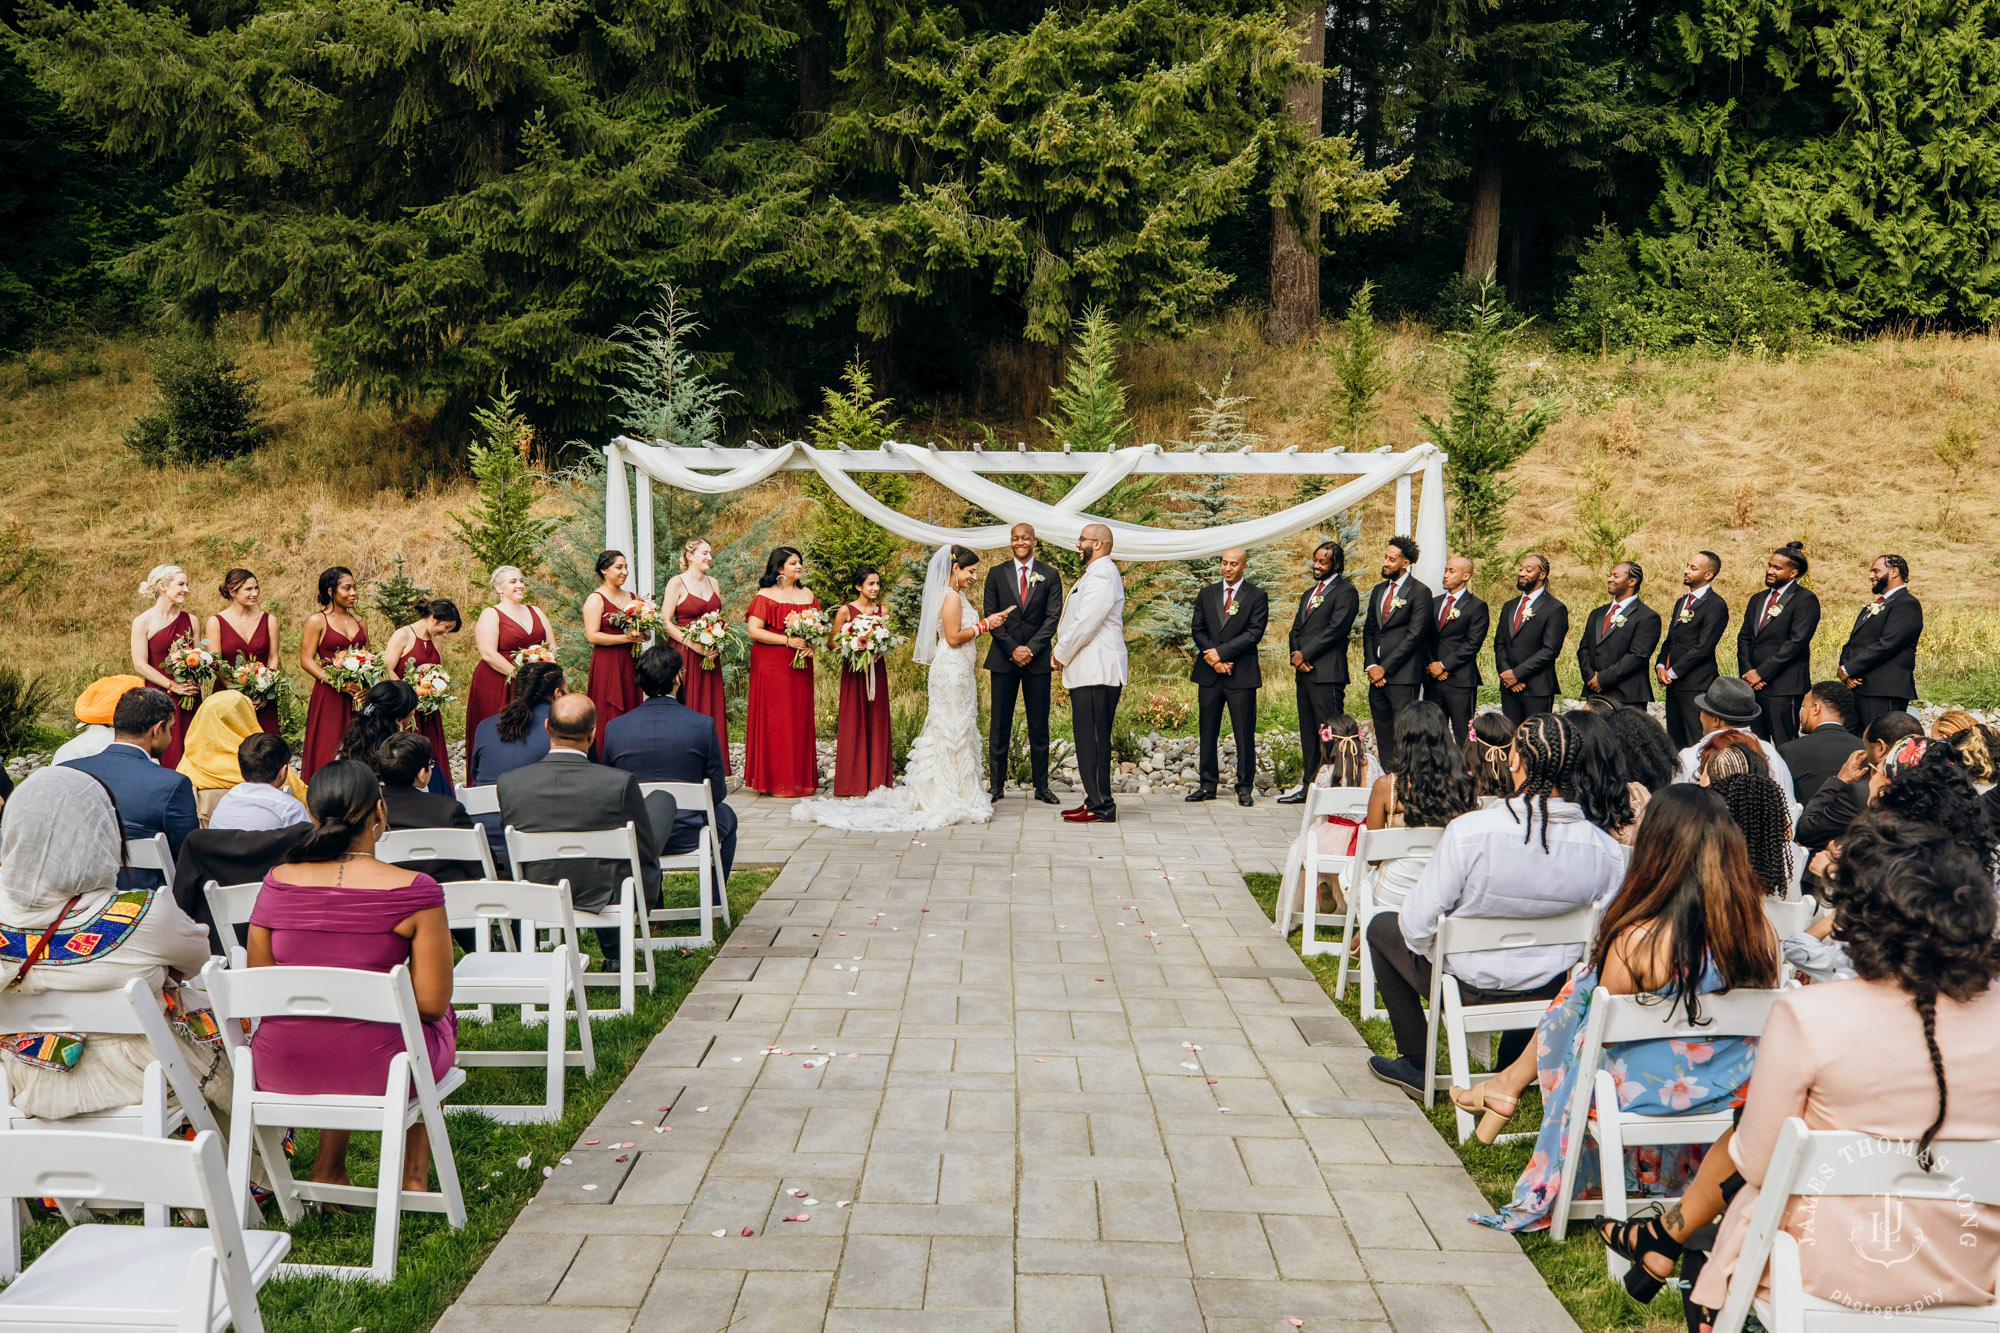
column 1090, row 637
column 1679, row 602
column 1781, row 773
column 257, row 805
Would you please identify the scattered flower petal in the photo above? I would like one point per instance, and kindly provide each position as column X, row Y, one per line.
column 748, row 1232
column 1189, row 1064
column 548, row 1171
column 798, row 1194
column 524, row 1162
column 718, row 1233
column 798, row 1217
column 567, row 1162
column 843, row 1203
column 1296, row 1323
column 811, row 1202
column 625, row 1157
column 590, row 1187
column 592, row 1143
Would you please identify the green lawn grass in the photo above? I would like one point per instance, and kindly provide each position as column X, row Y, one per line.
column 437, row 1261
column 1573, row 1268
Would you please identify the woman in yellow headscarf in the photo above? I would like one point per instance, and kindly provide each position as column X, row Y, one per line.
column 208, row 758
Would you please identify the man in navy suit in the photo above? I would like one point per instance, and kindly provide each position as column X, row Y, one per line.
column 150, row 799
column 663, row 740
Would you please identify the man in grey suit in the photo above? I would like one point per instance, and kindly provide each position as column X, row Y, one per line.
column 566, row 793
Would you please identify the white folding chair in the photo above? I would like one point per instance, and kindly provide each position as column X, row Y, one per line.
column 152, row 853
column 409, row 1094
column 229, row 906
column 1616, row 1019
column 705, row 860
column 482, row 800
column 403, row 846
column 1301, row 901
column 1790, row 916
column 1459, row 1020
column 115, row 1277
column 1841, row 1165
column 554, row 980
column 1371, row 849
column 624, row 914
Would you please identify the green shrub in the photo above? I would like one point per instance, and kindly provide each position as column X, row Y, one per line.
column 839, row 540
column 501, row 528
column 23, row 700
column 1288, row 762
column 1715, row 294
column 1601, row 310
column 395, row 598
column 206, row 410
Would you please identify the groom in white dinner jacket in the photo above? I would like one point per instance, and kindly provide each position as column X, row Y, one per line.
column 1090, row 652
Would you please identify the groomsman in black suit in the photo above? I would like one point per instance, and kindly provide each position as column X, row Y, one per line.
column 1320, row 627
column 1395, row 643
column 1618, row 639
column 1527, row 640
column 1687, row 657
column 1774, row 643
column 1879, row 662
column 1228, row 624
column 1457, row 635
column 1019, row 656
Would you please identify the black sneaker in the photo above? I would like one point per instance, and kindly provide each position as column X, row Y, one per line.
column 1399, row 1072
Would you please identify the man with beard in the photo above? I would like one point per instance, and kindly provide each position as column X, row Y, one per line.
column 1618, row 641
column 1395, row 643
column 1018, row 659
column 1457, row 635
column 1227, row 625
column 1774, row 644
column 1527, row 641
column 1879, row 662
column 1687, row 658
column 1320, row 626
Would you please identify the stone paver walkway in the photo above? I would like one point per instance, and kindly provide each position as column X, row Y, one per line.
column 1063, row 1078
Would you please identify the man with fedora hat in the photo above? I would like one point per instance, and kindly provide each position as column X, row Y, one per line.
column 1730, row 702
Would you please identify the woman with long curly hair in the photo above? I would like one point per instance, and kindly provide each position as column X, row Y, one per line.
column 1650, row 757
column 1765, row 816
column 1427, row 788
column 1977, row 745
column 1599, row 781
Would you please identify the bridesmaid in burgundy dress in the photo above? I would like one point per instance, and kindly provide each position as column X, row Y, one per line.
column 692, row 593
column 415, row 645
column 504, row 628
column 243, row 630
column 613, row 686
column 778, row 754
column 861, row 739
column 335, row 627
column 153, row 632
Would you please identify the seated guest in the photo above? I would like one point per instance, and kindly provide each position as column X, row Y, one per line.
column 383, row 710
column 263, row 799
column 1644, row 748
column 1765, row 816
column 1348, row 764
column 93, row 714
column 209, row 753
column 1728, row 752
column 403, row 762
column 1843, row 799
column 1687, row 921
column 1922, row 781
column 1428, row 789
column 59, row 861
column 1730, row 702
column 663, row 740
column 517, row 735
column 1533, row 855
column 1974, row 742
column 334, row 905
column 1823, row 742
column 1599, row 782
column 150, row 799
column 567, row 793
column 1488, row 756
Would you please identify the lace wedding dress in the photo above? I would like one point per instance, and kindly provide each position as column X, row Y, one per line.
column 942, row 784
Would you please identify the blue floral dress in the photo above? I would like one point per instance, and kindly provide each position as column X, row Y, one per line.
column 1654, row 1078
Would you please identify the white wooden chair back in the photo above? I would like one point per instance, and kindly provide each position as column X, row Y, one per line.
column 705, row 858
column 624, row 914
column 404, row 846
column 1300, row 901
column 229, row 906
column 1371, row 849
column 151, row 853
column 481, row 800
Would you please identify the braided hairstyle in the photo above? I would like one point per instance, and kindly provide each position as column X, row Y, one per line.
column 341, row 798
column 1487, row 739
column 1760, row 809
column 1915, row 907
column 1547, row 747
column 1725, row 752
column 535, row 683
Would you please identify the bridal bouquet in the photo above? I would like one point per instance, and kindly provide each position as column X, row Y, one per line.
column 862, row 642
column 433, row 686
column 643, row 615
column 190, row 663
column 808, row 623
column 355, row 671
column 261, row 685
column 708, row 631
column 534, row 652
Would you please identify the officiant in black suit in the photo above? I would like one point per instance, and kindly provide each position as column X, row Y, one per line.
column 1774, row 644
column 1452, row 678
column 1227, row 625
column 1527, row 639
column 1318, row 641
column 1686, row 665
column 1019, row 656
column 1616, row 646
column 1395, row 643
column 1879, row 661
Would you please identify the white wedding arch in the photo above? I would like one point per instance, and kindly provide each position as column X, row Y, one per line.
column 710, row 469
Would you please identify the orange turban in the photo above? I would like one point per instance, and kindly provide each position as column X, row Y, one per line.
column 100, row 698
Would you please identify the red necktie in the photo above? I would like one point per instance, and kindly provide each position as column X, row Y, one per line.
column 1520, row 612
column 1228, row 602
column 1024, row 585
column 1769, row 602
column 1444, row 612
column 1609, row 612
column 1388, row 596
column 1687, row 605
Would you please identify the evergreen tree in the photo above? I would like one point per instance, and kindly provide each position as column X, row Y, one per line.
column 1090, row 418
column 1600, row 310
column 842, row 541
column 1361, row 368
column 395, row 598
column 501, row 527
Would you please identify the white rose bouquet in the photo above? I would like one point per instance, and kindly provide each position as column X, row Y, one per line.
column 433, row 686
column 862, row 642
column 707, row 631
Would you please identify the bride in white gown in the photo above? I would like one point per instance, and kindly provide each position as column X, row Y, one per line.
column 942, row 783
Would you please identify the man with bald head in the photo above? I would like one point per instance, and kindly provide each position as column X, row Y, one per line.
column 1018, row 659
column 1452, row 679
column 1090, row 652
column 1228, row 623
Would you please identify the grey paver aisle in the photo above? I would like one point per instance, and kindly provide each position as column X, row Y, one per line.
column 1063, row 1078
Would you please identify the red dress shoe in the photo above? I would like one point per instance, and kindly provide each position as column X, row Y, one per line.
column 1091, row 817
column 1074, row 811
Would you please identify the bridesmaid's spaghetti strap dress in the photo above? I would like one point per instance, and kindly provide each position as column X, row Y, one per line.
column 328, row 711
column 489, row 691
column 701, row 687
column 230, row 645
column 614, row 686
column 429, row 725
column 184, row 706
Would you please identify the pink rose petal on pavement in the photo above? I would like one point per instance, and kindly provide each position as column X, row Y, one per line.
column 798, row 1217
column 591, row 1143
column 798, row 1194
column 748, row 1232
column 625, row 1157
column 1040, row 1061
column 1296, row 1323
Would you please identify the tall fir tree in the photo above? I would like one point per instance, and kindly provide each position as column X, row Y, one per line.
column 840, row 541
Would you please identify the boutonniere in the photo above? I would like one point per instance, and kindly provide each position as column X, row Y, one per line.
column 1618, row 621
column 1528, row 614
column 1312, row 602
column 1776, row 608
column 1397, row 604
column 1875, row 608
column 1034, row 578
column 1685, row 616
column 1451, row 614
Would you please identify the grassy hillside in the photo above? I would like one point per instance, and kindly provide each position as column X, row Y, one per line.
column 1835, row 450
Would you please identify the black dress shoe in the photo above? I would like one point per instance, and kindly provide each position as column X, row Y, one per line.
column 1293, row 797
column 1245, row 798
column 1046, row 797
column 1199, row 795
column 996, row 794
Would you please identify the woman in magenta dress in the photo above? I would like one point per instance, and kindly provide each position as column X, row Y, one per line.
column 415, row 645
column 778, row 754
column 504, row 628
column 244, row 631
column 334, row 905
column 613, row 687
column 334, row 628
column 153, row 633
column 691, row 594
column 861, row 738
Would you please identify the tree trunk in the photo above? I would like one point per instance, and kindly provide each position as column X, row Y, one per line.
column 1482, row 238
column 1294, row 292
column 815, row 67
